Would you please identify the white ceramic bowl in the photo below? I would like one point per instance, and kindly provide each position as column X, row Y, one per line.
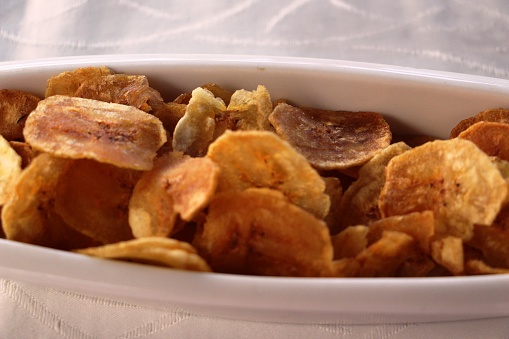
column 413, row 101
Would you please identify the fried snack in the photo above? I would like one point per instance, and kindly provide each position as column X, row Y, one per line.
column 491, row 137
column 453, row 178
column 170, row 113
column 258, row 231
column 332, row 140
column 477, row 267
column 93, row 197
column 359, row 205
column 132, row 90
column 30, row 217
column 219, row 92
column 178, row 185
column 350, row 242
column 79, row 128
column 334, row 190
column 196, row 130
column 448, row 252
column 492, row 115
column 25, row 151
column 493, row 243
column 15, row 106
column 67, row 83
column 250, row 110
column 261, row 159
column 158, row 251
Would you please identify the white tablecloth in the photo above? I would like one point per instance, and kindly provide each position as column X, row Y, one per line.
column 465, row 36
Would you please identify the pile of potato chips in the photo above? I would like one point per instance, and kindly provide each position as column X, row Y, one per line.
column 239, row 182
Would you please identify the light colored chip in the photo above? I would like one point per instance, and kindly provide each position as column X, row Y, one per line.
column 93, row 197
column 10, row 169
column 350, row 242
column 478, row 267
column 258, row 231
column 177, row 185
column 15, row 106
column 332, row 140
column 448, row 252
column 453, row 178
column 491, row 137
column 66, row 83
column 494, row 115
column 152, row 250
column 195, row 131
column 359, row 205
column 218, row 91
column 251, row 110
column 261, row 159
column 83, row 128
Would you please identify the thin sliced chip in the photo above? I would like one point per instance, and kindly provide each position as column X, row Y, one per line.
column 478, row 267
column 93, row 197
column 359, row 204
column 332, row 139
column 448, row 252
column 219, row 92
column 152, row 250
column 334, row 190
column 15, row 106
column 170, row 114
column 258, row 231
column 493, row 242
column 10, row 170
column 251, row 110
column 25, row 151
column 177, row 186
column 453, row 178
column 80, row 128
column 493, row 115
column 195, row 131
column 491, row 137
column 66, row 83
column 350, row 242
column 261, row 159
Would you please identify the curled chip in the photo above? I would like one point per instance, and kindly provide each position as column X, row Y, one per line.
column 251, row 110
column 359, row 205
column 258, row 231
column 158, row 251
column 83, row 128
column 25, row 151
column 15, row 106
column 476, row 267
column 10, row 169
column 491, row 137
column 261, row 159
column 448, row 252
column 332, row 140
column 93, row 197
column 195, row 131
column 453, row 178
column 67, row 83
column 177, row 185
column 493, row 115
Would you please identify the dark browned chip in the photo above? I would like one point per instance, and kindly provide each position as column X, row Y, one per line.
column 15, row 106
column 491, row 137
column 493, row 115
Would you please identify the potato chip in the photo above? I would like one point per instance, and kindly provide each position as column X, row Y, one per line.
column 25, row 151
column 493, row 242
column 448, row 252
column 491, row 137
column 494, row 115
column 478, row 267
column 10, row 169
column 219, row 92
column 15, row 106
column 30, row 215
column 261, row 159
column 334, row 190
column 158, row 251
column 251, row 110
column 83, row 128
column 332, row 139
column 170, row 114
column 350, row 242
column 453, row 178
column 66, row 83
column 177, row 186
column 359, row 205
column 93, row 197
column 258, row 231
column 195, row 131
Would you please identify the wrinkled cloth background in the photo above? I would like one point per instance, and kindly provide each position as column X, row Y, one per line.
column 464, row 36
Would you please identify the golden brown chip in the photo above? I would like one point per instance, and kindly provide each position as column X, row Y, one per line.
column 170, row 114
column 25, row 151
column 258, row 231
column 262, row 159
column 93, row 197
column 477, row 267
column 66, row 83
column 448, row 252
column 219, row 92
column 493, row 242
column 10, row 169
column 30, row 215
column 152, row 250
column 332, row 139
column 251, row 110
column 177, row 185
column 15, row 106
column 83, row 128
column 493, row 115
column 359, row 204
column 195, row 131
column 350, row 242
column 452, row 178
column 132, row 90
column 491, row 137
column 334, row 190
